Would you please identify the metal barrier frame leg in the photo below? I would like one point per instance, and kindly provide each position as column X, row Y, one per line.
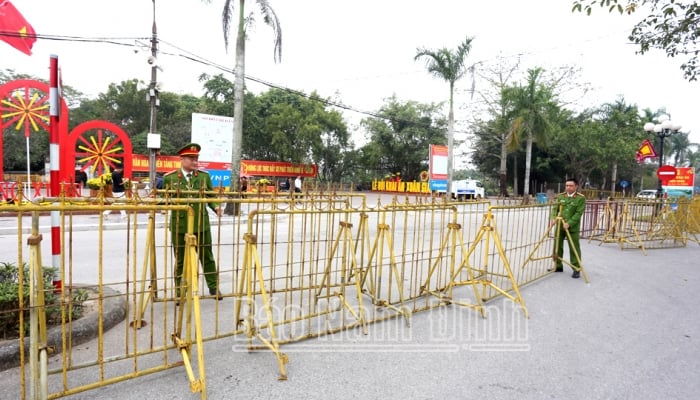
column 252, row 261
column 190, row 289
column 487, row 232
column 38, row 350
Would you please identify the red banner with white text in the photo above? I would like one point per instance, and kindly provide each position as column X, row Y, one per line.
column 168, row 163
column 275, row 168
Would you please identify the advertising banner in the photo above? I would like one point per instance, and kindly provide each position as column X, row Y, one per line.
column 215, row 134
column 438, row 167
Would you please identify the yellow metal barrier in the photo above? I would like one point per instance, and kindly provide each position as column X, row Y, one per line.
column 120, row 353
column 290, row 267
column 645, row 223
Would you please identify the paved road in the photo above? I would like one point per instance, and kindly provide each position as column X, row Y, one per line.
column 632, row 333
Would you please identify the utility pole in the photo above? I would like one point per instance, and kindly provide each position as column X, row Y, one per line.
column 153, row 138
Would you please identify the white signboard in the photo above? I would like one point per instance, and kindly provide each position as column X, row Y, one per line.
column 215, row 134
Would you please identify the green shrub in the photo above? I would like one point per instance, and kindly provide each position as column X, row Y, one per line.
column 9, row 299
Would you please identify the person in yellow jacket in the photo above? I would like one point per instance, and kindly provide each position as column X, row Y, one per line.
column 184, row 182
column 570, row 206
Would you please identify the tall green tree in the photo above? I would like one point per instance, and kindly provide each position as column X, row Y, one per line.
column 283, row 125
column 623, row 132
column 694, row 161
column 578, row 146
column 218, row 94
column 533, row 105
column 679, row 149
column 174, row 118
column 400, row 138
column 448, row 65
column 298, row 129
column 123, row 105
column 671, row 25
column 243, row 21
column 497, row 106
column 15, row 151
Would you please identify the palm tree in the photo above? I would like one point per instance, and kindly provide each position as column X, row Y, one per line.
column 498, row 106
column 623, row 131
column 532, row 106
column 694, row 160
column 449, row 66
column 227, row 16
column 680, row 147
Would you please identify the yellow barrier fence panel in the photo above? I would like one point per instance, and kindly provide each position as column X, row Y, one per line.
column 99, row 275
column 488, row 272
column 292, row 267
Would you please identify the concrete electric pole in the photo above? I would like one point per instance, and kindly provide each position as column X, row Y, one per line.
column 153, row 138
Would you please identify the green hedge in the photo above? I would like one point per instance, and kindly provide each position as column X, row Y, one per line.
column 9, row 299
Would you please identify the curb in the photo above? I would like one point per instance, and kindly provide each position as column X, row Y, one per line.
column 84, row 329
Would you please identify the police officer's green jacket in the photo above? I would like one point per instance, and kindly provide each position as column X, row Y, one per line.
column 177, row 182
column 572, row 209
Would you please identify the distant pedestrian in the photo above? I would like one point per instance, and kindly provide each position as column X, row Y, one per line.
column 243, row 188
column 80, row 176
column 297, row 185
column 118, row 182
column 284, row 185
column 80, row 180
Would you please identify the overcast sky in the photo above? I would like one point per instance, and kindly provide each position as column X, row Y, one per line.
column 358, row 52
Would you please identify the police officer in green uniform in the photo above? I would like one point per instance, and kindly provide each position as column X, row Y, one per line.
column 570, row 206
column 190, row 179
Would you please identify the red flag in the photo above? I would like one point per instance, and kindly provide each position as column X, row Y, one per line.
column 14, row 29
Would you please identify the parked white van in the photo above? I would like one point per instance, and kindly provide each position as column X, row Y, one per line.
column 467, row 189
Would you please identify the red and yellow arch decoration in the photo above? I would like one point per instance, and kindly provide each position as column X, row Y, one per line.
column 98, row 145
column 24, row 106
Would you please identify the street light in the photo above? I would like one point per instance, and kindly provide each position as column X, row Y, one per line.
column 662, row 130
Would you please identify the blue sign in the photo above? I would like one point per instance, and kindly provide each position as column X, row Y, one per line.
column 220, row 177
column 438, row 184
column 624, row 183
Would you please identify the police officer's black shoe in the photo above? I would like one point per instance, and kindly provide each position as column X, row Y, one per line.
column 216, row 294
column 558, row 269
column 576, row 275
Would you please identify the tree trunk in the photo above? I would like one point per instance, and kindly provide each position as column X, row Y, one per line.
column 238, row 93
column 450, row 143
column 515, row 174
column 502, row 171
column 614, row 178
column 528, row 163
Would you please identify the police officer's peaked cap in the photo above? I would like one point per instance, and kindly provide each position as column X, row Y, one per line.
column 190, row 150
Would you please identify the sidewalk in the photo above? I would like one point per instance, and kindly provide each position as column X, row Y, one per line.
column 631, row 333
